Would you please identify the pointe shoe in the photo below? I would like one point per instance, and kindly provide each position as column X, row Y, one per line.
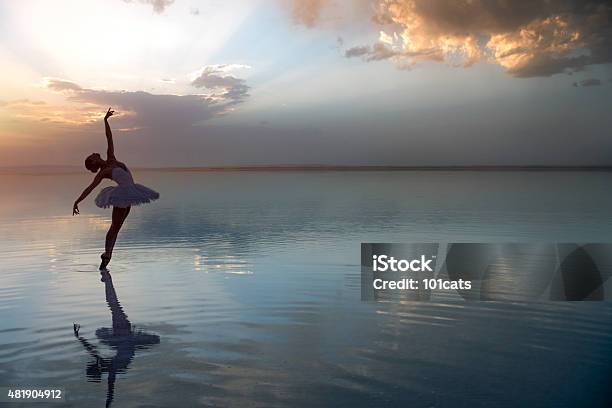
column 105, row 260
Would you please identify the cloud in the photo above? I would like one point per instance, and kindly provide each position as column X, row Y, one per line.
column 21, row 103
column 142, row 109
column 307, row 12
column 528, row 39
column 588, row 82
column 311, row 13
column 381, row 51
column 159, row 6
column 221, row 83
column 358, row 51
column 61, row 85
column 26, row 110
column 150, row 110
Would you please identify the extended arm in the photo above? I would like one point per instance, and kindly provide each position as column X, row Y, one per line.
column 91, row 349
column 85, row 193
column 110, row 152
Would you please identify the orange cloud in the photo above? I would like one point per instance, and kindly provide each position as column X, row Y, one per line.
column 536, row 38
column 307, row 12
column 40, row 111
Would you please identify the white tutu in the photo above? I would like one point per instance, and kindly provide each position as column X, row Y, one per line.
column 125, row 196
column 126, row 193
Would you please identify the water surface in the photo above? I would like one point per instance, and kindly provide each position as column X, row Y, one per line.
column 243, row 289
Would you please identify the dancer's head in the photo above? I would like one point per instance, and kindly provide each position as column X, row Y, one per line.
column 94, row 162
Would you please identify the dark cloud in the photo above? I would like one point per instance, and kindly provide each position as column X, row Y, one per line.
column 150, row 110
column 358, row 51
column 223, row 85
column 528, row 39
column 520, row 128
column 545, row 66
column 142, row 109
column 146, row 110
column 159, row 6
column 588, row 82
column 380, row 52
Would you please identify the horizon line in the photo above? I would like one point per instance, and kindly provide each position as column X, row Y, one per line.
column 71, row 169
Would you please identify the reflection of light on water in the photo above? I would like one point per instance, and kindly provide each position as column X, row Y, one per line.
column 228, row 264
column 99, row 223
column 52, row 253
column 196, row 263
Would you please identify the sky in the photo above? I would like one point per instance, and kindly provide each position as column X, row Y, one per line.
column 306, row 82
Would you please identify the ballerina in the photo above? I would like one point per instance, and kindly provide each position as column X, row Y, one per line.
column 120, row 197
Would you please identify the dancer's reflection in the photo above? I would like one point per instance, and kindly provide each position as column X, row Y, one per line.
column 123, row 338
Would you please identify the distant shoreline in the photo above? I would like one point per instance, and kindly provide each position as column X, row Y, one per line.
column 381, row 168
column 58, row 169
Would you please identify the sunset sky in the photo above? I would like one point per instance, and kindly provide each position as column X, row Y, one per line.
column 368, row 82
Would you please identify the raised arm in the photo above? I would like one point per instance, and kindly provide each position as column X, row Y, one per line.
column 91, row 349
column 110, row 152
column 85, row 193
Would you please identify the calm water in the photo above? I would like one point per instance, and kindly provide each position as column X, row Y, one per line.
column 242, row 289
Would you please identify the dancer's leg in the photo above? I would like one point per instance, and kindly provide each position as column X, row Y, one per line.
column 119, row 216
